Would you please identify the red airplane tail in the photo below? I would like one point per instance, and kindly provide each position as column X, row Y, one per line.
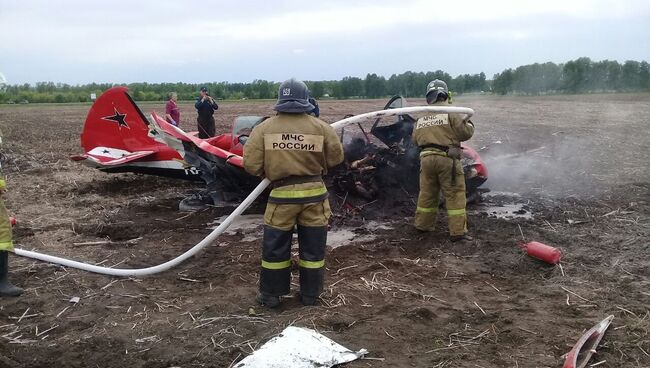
column 115, row 121
column 116, row 131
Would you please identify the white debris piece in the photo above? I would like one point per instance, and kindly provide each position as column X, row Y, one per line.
column 298, row 347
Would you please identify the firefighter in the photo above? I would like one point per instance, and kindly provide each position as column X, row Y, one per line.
column 293, row 150
column 438, row 136
column 6, row 246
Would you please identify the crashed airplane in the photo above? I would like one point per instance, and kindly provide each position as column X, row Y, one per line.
column 118, row 137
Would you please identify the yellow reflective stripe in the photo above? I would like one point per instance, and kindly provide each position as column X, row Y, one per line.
column 456, row 212
column 298, row 193
column 7, row 245
column 426, row 152
column 3, row 184
column 311, row 264
column 426, row 209
column 276, row 265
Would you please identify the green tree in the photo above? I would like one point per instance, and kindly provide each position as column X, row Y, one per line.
column 375, row 86
column 599, row 79
column 502, row 82
column 317, row 89
column 630, row 75
column 351, row 87
column 576, row 75
column 395, row 85
column 613, row 75
column 644, row 76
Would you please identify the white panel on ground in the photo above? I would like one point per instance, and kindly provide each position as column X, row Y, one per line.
column 298, row 347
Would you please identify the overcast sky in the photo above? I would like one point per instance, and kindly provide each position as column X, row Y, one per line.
column 239, row 41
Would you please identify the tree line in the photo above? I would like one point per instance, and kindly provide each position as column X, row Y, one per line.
column 408, row 84
column 577, row 76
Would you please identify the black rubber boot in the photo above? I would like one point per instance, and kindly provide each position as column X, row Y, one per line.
column 308, row 300
column 6, row 287
column 311, row 284
column 312, row 241
column 275, row 278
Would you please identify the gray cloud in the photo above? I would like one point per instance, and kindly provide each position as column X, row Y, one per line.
column 125, row 41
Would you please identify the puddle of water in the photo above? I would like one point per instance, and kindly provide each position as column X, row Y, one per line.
column 249, row 227
column 345, row 236
column 341, row 237
column 337, row 238
column 374, row 225
column 506, row 211
column 501, row 194
column 245, row 224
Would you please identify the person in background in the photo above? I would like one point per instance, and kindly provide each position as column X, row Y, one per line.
column 6, row 245
column 294, row 150
column 316, row 111
column 438, row 136
column 172, row 112
column 206, row 106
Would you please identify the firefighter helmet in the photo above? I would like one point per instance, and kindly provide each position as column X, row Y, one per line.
column 293, row 97
column 437, row 91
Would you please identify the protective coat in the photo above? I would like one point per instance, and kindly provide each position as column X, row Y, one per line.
column 293, row 151
column 440, row 172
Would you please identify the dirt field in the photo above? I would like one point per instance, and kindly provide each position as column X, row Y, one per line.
column 578, row 165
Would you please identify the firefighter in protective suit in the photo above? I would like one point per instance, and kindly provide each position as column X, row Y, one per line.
column 6, row 245
column 293, row 150
column 438, row 136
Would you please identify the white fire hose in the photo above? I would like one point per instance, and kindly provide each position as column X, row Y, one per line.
column 416, row 110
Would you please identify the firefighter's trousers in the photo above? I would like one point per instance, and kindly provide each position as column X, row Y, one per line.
column 280, row 220
column 6, row 241
column 435, row 175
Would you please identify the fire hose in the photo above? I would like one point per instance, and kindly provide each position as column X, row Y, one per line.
column 238, row 211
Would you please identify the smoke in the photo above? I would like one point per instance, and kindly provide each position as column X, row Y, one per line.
column 580, row 145
column 561, row 166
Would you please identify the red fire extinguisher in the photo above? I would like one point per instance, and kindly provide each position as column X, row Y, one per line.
column 542, row 252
